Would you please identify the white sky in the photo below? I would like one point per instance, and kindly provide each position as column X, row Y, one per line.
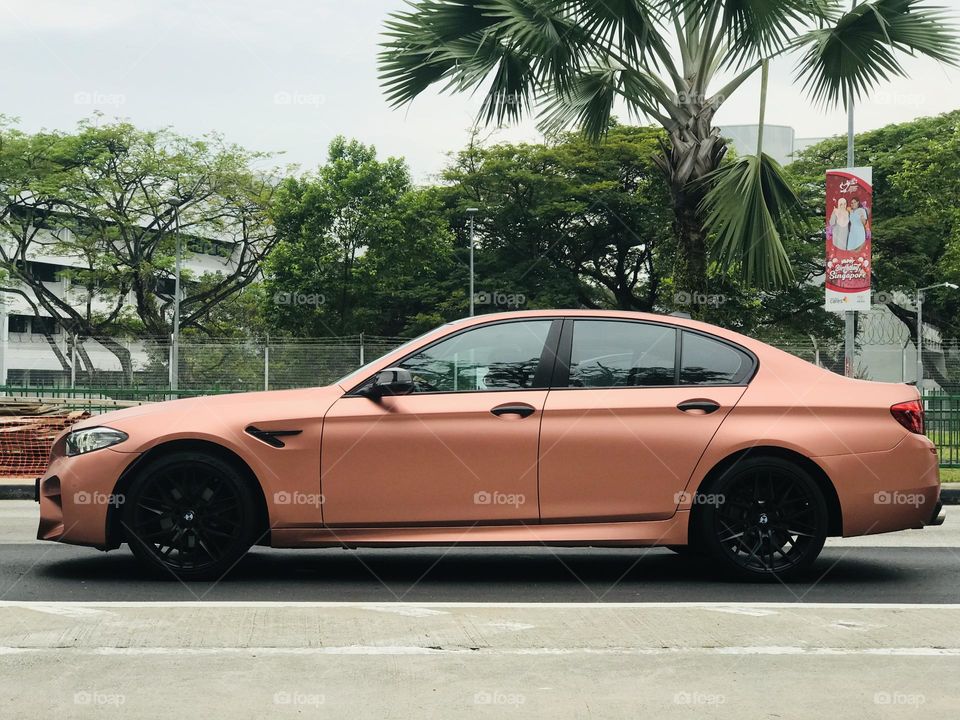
column 288, row 75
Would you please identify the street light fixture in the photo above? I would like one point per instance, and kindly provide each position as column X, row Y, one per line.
column 472, row 213
column 175, row 203
column 919, row 301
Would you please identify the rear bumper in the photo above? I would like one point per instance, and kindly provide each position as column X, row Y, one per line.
column 880, row 492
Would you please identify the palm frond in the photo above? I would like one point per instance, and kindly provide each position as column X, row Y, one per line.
column 748, row 205
column 750, row 29
column 844, row 62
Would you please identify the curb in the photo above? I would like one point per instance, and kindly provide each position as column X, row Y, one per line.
column 16, row 492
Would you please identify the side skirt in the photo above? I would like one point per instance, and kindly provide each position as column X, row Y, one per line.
column 628, row 534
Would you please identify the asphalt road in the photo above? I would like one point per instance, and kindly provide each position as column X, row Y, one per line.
column 886, row 569
column 479, row 632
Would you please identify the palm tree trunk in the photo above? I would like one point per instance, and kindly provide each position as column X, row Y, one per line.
column 693, row 151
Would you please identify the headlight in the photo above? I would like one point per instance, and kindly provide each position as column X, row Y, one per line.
column 90, row 439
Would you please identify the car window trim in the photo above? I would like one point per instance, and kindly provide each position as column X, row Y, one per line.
column 548, row 354
column 565, row 350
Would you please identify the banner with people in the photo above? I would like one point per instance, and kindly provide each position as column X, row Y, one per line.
column 849, row 220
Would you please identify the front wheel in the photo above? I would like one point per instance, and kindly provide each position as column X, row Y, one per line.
column 770, row 520
column 189, row 515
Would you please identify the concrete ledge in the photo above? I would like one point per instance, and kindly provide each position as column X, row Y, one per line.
column 19, row 489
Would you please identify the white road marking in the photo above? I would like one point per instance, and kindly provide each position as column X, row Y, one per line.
column 391, row 650
column 406, row 610
column 389, row 607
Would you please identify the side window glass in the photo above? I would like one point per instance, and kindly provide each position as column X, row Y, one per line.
column 610, row 354
column 504, row 356
column 710, row 362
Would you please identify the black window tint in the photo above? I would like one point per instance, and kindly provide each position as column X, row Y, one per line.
column 621, row 354
column 710, row 362
column 494, row 357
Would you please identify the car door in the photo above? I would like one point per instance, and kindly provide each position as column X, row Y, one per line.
column 634, row 406
column 460, row 449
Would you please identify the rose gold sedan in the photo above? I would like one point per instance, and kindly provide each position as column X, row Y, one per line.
column 528, row 428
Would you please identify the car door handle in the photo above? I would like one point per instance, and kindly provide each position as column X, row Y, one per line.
column 704, row 406
column 519, row 409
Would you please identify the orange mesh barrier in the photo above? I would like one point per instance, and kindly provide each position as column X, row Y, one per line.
column 25, row 441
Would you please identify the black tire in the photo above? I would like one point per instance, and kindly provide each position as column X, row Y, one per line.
column 189, row 515
column 769, row 522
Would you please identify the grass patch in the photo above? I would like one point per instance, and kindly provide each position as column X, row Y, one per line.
column 950, row 475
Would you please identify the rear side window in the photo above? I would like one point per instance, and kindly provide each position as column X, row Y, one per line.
column 609, row 354
column 705, row 361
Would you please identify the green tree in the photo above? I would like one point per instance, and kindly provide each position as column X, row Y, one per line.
column 361, row 249
column 567, row 223
column 675, row 63
column 576, row 223
column 104, row 197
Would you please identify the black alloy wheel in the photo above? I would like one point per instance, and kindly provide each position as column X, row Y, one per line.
column 769, row 520
column 189, row 514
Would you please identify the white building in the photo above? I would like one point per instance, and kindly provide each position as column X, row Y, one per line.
column 26, row 357
column 779, row 141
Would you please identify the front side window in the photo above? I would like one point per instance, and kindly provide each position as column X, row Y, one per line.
column 609, row 354
column 709, row 362
column 504, row 356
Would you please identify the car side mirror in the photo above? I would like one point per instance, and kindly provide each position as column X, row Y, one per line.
column 392, row 381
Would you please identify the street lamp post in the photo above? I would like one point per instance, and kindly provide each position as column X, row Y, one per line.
column 175, row 204
column 472, row 212
column 920, row 292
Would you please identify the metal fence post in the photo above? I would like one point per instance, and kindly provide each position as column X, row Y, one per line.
column 73, row 362
column 266, row 364
column 362, row 363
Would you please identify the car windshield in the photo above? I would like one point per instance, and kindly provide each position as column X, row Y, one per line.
column 355, row 376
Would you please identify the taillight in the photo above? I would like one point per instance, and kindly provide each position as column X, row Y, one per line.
column 910, row 415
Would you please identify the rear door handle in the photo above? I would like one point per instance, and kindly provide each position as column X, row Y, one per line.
column 704, row 406
column 520, row 409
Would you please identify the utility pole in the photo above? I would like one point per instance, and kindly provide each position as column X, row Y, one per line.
column 472, row 212
column 850, row 316
column 175, row 203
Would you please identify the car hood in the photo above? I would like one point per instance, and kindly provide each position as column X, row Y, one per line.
column 234, row 407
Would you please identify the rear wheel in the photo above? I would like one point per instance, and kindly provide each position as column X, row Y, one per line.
column 189, row 514
column 770, row 520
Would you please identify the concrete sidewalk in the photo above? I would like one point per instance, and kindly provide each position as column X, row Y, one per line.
column 448, row 661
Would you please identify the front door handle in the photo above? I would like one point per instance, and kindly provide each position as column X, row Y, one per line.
column 704, row 406
column 520, row 409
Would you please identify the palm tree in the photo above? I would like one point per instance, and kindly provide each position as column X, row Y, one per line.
column 574, row 61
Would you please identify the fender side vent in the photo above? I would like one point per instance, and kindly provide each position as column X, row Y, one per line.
column 271, row 437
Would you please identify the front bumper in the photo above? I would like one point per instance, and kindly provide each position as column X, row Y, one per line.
column 76, row 495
